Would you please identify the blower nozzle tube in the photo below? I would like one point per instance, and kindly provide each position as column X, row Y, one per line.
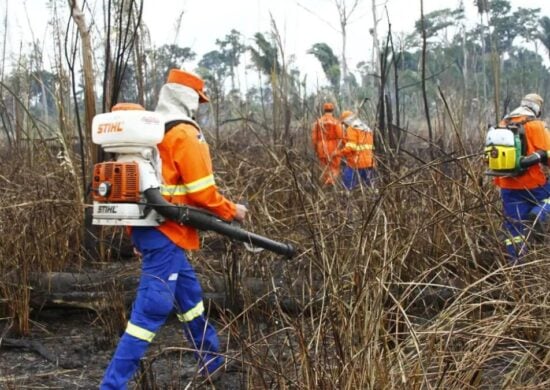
column 203, row 220
column 539, row 156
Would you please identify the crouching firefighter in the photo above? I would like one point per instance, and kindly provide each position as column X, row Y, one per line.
column 514, row 152
column 167, row 279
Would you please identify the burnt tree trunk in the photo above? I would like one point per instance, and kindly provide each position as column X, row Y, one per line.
column 97, row 291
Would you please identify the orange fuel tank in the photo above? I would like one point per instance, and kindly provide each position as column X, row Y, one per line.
column 116, row 182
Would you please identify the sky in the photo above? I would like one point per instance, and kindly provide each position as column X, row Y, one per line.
column 301, row 23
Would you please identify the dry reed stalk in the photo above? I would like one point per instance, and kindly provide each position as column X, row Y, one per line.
column 404, row 288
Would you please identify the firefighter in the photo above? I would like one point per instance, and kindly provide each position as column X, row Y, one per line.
column 327, row 136
column 168, row 280
column 526, row 197
column 358, row 151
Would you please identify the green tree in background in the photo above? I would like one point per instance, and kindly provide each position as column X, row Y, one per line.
column 159, row 62
column 439, row 20
column 544, row 34
column 329, row 63
column 213, row 68
column 266, row 60
column 265, row 56
column 231, row 49
column 507, row 25
column 172, row 56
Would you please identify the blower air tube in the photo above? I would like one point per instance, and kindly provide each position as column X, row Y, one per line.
column 203, row 220
column 540, row 156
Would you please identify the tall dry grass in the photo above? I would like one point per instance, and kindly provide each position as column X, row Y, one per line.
column 406, row 287
column 40, row 224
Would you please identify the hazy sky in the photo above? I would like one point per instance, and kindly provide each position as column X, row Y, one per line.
column 301, row 23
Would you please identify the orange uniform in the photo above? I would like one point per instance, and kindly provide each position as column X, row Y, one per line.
column 525, row 198
column 537, row 138
column 327, row 136
column 168, row 280
column 358, row 148
column 188, row 179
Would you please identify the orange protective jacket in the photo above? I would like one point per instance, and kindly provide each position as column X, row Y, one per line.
column 326, row 135
column 358, row 148
column 537, row 138
column 189, row 179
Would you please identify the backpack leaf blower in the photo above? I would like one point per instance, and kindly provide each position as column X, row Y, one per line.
column 126, row 191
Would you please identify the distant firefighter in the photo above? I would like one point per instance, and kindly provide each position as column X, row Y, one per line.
column 327, row 136
column 358, row 152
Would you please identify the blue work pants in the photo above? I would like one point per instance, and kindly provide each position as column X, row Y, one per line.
column 167, row 281
column 351, row 177
column 522, row 209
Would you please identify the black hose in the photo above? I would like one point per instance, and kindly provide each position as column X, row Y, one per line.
column 540, row 156
column 203, row 220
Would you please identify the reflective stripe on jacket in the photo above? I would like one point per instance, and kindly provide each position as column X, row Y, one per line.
column 358, row 149
column 188, row 179
column 537, row 138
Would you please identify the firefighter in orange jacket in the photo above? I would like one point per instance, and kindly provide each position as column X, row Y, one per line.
column 526, row 197
column 327, row 136
column 358, row 151
column 168, row 280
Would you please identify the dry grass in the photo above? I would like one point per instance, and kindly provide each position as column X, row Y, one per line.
column 40, row 224
column 404, row 288
column 407, row 288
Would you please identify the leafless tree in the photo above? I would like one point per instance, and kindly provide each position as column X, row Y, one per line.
column 87, row 68
column 424, row 94
column 345, row 12
column 3, row 118
column 284, row 81
column 483, row 8
column 375, row 44
column 122, row 27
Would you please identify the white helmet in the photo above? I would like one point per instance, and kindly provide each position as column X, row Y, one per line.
column 534, row 102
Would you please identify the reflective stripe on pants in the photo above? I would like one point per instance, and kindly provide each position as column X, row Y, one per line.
column 167, row 281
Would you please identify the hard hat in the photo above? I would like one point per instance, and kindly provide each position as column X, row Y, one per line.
column 534, row 98
column 534, row 102
column 346, row 114
column 127, row 107
column 328, row 107
column 188, row 79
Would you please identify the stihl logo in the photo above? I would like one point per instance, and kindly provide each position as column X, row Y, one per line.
column 115, row 127
column 106, row 209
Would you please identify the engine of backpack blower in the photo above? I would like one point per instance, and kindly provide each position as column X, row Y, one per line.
column 118, row 186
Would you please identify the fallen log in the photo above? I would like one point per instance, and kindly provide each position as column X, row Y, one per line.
column 101, row 290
